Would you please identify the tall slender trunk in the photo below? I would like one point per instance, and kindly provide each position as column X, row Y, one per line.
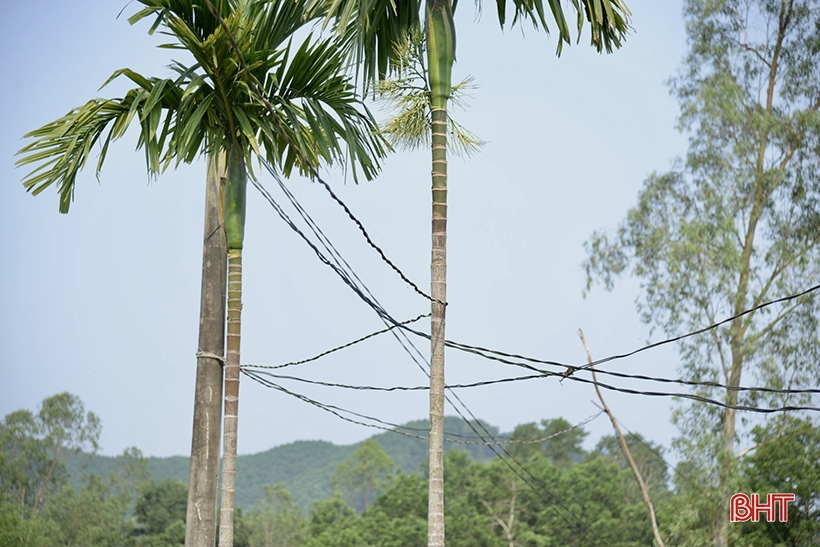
column 726, row 457
column 738, row 326
column 440, row 55
column 231, row 396
column 38, row 500
column 203, row 482
column 234, row 212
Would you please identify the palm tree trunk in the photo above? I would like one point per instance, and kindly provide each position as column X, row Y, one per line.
column 441, row 54
column 234, row 212
column 203, row 482
column 231, row 396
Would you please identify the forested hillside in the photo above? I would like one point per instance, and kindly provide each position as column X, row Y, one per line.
column 546, row 490
column 304, row 467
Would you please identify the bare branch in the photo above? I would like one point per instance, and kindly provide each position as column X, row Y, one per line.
column 638, row 477
column 777, row 437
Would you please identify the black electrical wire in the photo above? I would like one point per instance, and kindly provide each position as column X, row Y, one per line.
column 532, row 376
column 256, row 90
column 395, row 428
column 339, row 348
column 651, row 393
column 337, row 411
column 575, row 368
column 545, row 374
column 371, row 301
column 370, row 241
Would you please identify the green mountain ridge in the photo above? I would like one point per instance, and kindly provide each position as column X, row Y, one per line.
column 305, row 467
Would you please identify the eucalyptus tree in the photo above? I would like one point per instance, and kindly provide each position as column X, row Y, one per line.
column 247, row 93
column 376, row 26
column 34, row 449
column 733, row 226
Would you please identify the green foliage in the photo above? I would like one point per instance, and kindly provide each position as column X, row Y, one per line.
column 648, row 457
column 276, row 520
column 735, row 225
column 364, row 475
column 408, row 93
column 242, row 529
column 38, row 506
column 786, row 460
column 332, row 523
column 374, row 26
column 488, row 504
column 17, row 531
column 304, row 467
column 563, row 448
column 34, row 448
column 310, row 113
column 96, row 515
column 559, row 498
column 160, row 504
column 471, row 500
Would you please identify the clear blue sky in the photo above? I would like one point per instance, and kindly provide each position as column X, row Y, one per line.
column 103, row 302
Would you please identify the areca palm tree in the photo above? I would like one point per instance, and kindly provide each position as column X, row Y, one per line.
column 376, row 26
column 308, row 114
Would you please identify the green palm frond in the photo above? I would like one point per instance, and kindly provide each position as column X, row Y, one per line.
column 608, row 19
column 375, row 26
column 62, row 148
column 322, row 113
column 408, row 93
column 194, row 14
column 211, row 104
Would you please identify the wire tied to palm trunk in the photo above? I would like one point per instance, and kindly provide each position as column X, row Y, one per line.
column 305, row 164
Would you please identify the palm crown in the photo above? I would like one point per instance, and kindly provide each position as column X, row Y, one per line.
column 377, row 25
column 251, row 91
column 310, row 112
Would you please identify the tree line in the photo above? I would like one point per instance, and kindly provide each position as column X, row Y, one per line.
column 732, row 225
column 565, row 495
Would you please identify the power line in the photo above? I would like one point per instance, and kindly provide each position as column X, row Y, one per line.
column 483, row 351
column 388, row 319
column 370, row 241
column 342, row 274
column 386, row 389
column 652, row 393
column 709, row 384
column 305, row 163
column 543, row 374
column 381, row 312
column 337, row 411
column 399, row 333
column 396, row 333
column 704, row 329
column 400, row 429
column 700, row 398
column 339, row 348
column 574, row 368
